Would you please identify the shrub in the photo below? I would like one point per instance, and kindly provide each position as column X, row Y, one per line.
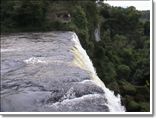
column 123, row 71
column 127, row 88
column 145, row 107
column 133, row 106
column 114, row 86
column 79, row 18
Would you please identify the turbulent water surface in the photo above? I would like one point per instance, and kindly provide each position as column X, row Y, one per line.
column 51, row 72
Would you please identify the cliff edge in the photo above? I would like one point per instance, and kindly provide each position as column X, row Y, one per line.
column 50, row 72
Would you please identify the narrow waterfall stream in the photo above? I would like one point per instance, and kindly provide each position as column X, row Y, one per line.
column 97, row 33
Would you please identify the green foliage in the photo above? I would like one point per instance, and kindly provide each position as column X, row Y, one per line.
column 80, row 21
column 145, row 16
column 133, row 106
column 31, row 13
column 99, row 52
column 120, row 41
column 123, row 71
column 127, row 88
column 125, row 44
column 145, row 107
column 105, row 13
column 114, row 86
column 79, row 18
column 109, row 70
column 22, row 15
column 92, row 15
column 8, row 13
column 144, row 91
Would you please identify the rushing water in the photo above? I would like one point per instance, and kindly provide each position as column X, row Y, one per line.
column 113, row 102
column 51, row 72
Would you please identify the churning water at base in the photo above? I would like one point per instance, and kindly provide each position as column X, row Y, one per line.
column 83, row 61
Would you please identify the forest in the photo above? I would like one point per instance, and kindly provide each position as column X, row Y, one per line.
column 122, row 56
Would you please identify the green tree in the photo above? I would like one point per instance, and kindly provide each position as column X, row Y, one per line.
column 123, row 71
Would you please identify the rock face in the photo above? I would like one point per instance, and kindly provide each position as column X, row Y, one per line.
column 50, row 72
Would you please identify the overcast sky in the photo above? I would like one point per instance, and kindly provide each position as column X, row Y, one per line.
column 140, row 5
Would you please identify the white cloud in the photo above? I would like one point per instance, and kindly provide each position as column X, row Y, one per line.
column 140, row 5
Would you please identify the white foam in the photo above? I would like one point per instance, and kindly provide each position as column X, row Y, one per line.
column 34, row 60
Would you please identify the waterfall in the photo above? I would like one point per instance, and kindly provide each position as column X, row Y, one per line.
column 51, row 74
column 97, row 33
column 84, row 62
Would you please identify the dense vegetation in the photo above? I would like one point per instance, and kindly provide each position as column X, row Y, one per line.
column 123, row 54
column 121, row 58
